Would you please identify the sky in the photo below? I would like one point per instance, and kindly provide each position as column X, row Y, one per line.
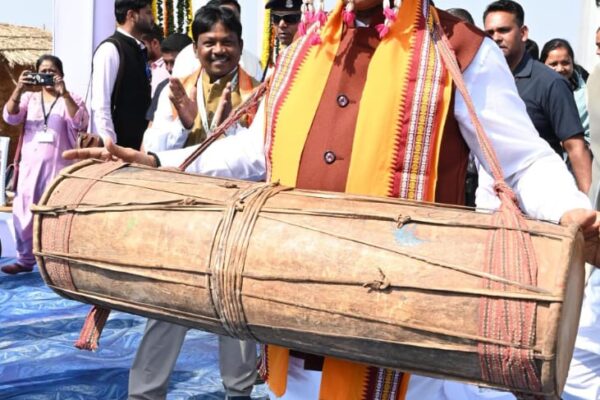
column 546, row 19
column 36, row 13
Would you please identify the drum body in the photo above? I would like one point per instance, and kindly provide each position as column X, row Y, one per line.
column 381, row 281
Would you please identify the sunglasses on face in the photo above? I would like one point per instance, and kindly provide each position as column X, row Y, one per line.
column 287, row 18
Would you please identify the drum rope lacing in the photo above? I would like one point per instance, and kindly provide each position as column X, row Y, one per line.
column 511, row 255
column 228, row 256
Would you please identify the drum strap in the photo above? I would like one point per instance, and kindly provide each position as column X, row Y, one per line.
column 511, row 256
column 251, row 103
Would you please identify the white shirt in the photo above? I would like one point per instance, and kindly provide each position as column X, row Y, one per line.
column 167, row 132
column 105, row 67
column 159, row 74
column 187, row 62
column 540, row 179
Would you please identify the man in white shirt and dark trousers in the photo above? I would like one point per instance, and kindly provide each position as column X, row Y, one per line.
column 121, row 77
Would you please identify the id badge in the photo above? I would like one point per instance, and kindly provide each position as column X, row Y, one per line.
column 44, row 136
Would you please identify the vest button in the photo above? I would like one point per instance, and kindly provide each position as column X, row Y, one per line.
column 329, row 157
column 342, row 100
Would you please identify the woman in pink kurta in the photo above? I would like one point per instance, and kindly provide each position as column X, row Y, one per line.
column 53, row 117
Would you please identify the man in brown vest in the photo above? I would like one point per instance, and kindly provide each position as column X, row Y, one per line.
column 344, row 114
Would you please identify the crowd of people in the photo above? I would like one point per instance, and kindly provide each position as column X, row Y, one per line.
column 341, row 125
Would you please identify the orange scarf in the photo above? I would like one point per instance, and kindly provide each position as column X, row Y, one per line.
column 240, row 93
column 398, row 133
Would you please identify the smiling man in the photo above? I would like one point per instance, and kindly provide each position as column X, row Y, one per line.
column 342, row 114
column 217, row 34
column 218, row 45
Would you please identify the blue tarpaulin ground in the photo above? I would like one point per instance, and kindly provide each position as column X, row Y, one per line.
column 38, row 360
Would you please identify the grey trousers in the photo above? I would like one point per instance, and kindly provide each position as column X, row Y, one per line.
column 158, row 352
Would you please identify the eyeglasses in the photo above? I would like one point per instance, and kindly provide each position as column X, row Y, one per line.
column 287, row 18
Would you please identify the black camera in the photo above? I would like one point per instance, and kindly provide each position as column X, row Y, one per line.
column 39, row 79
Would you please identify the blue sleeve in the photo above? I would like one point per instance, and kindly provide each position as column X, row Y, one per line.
column 562, row 110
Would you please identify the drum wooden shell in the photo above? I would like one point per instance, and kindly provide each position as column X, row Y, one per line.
column 380, row 281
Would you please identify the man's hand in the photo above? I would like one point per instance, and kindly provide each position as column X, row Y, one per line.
column 589, row 223
column 224, row 107
column 187, row 108
column 111, row 152
column 581, row 161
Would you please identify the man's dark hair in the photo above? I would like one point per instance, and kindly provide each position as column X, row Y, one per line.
column 208, row 16
column 122, row 6
column 53, row 59
column 508, row 6
column 174, row 43
column 461, row 14
column 155, row 33
column 219, row 3
column 532, row 48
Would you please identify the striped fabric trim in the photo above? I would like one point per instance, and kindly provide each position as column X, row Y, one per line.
column 382, row 384
column 422, row 127
column 288, row 65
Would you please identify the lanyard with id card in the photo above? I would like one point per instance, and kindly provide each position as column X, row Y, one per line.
column 46, row 136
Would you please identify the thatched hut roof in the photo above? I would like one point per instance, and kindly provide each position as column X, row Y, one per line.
column 23, row 45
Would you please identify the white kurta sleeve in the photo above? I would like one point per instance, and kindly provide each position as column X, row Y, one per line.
column 240, row 155
column 539, row 177
column 105, row 69
column 167, row 132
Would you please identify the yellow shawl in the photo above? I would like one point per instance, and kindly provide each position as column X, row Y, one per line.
column 398, row 135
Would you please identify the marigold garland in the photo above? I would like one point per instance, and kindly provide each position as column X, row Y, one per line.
column 190, row 18
column 267, row 43
column 157, row 12
column 181, row 7
column 170, row 16
column 173, row 16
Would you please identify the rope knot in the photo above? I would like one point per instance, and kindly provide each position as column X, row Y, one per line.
column 505, row 192
column 379, row 285
column 188, row 201
column 403, row 220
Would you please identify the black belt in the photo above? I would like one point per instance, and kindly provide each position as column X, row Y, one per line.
column 312, row 362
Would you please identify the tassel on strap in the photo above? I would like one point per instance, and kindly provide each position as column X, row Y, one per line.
column 92, row 328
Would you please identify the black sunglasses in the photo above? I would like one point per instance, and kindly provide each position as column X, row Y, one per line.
column 287, row 18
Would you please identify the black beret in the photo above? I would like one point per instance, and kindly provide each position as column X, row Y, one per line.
column 291, row 5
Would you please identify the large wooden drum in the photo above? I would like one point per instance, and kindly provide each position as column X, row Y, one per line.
column 386, row 282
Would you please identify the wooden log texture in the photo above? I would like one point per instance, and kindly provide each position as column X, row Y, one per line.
column 382, row 281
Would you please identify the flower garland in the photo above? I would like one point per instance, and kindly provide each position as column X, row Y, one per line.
column 173, row 16
column 190, row 18
column 157, row 12
column 181, row 14
column 268, row 36
column 169, row 17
